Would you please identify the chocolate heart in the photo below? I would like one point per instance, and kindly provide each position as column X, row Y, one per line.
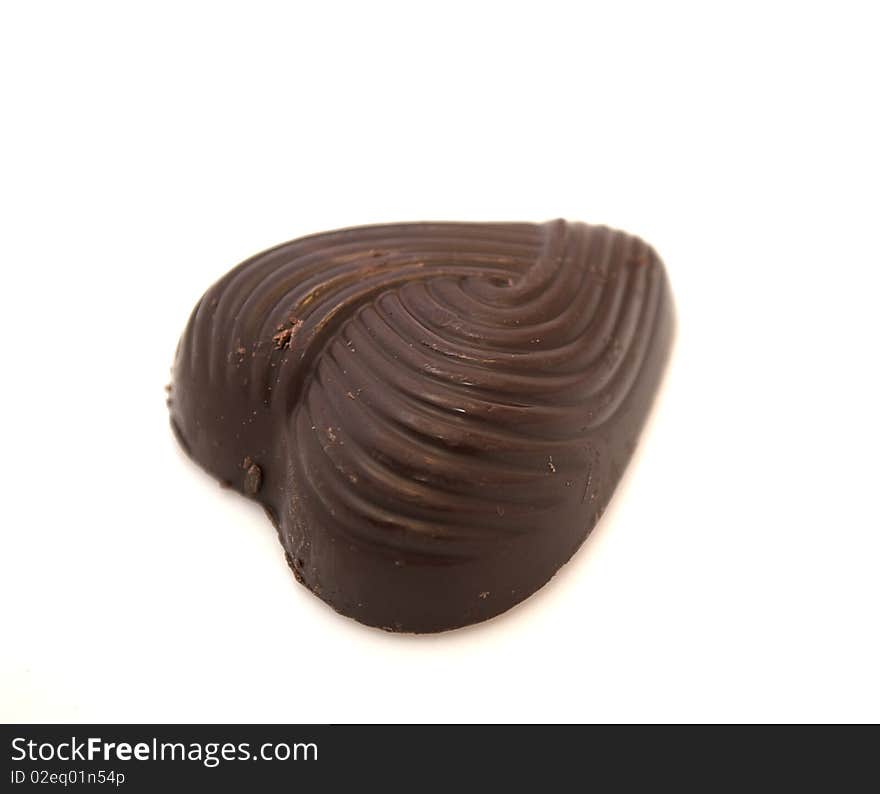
column 434, row 415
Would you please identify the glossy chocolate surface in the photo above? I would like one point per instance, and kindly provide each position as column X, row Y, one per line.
column 434, row 414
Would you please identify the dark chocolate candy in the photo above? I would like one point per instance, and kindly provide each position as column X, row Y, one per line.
column 435, row 415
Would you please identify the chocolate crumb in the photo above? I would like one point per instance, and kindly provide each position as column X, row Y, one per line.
column 253, row 480
column 284, row 338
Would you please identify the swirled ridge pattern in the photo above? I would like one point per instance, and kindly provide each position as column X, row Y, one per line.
column 435, row 414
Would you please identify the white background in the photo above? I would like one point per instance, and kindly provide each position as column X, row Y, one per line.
column 148, row 147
